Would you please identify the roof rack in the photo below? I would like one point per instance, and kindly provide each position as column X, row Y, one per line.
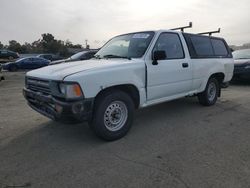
column 182, row 28
column 209, row 32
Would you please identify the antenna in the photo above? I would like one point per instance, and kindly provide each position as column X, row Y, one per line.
column 209, row 32
column 182, row 28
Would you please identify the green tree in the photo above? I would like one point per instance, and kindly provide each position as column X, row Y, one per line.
column 47, row 38
column 47, row 44
column 51, row 45
column 26, row 48
column 1, row 45
column 14, row 46
column 69, row 44
column 36, row 47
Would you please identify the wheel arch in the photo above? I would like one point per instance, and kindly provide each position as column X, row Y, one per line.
column 219, row 76
column 130, row 89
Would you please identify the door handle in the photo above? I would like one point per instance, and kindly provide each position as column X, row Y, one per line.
column 184, row 65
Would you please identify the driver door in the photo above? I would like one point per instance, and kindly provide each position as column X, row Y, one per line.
column 172, row 76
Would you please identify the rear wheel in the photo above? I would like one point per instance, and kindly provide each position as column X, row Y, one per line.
column 210, row 95
column 113, row 115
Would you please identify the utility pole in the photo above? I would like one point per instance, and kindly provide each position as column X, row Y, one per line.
column 86, row 44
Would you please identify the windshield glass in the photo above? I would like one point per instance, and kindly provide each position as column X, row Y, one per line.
column 132, row 45
column 241, row 54
column 77, row 55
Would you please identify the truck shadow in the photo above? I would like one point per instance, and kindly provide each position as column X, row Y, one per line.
column 56, row 138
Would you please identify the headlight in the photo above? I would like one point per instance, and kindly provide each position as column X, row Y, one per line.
column 70, row 90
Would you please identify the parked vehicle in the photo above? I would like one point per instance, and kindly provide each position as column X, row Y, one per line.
column 7, row 55
column 50, row 57
column 241, row 64
column 84, row 55
column 131, row 71
column 26, row 63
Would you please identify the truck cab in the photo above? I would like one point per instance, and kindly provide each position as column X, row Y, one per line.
column 129, row 72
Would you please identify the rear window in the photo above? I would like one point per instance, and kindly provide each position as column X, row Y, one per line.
column 202, row 46
column 219, row 47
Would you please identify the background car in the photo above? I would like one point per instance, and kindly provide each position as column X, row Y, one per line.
column 84, row 55
column 242, row 64
column 8, row 55
column 50, row 57
column 26, row 63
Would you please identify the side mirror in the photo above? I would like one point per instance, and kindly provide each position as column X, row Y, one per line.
column 158, row 55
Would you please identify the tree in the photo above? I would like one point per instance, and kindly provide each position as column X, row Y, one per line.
column 47, row 38
column 47, row 44
column 14, row 46
column 36, row 47
column 26, row 48
column 1, row 45
column 246, row 45
column 69, row 44
column 51, row 45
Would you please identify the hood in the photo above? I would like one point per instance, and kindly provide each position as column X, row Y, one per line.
column 60, row 71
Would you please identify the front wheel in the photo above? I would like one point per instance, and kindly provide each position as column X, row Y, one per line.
column 113, row 115
column 210, row 95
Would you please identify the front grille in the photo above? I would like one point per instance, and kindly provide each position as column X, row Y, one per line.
column 38, row 85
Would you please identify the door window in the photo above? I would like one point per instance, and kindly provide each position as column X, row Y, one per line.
column 171, row 44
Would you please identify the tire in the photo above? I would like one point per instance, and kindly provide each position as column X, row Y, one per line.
column 210, row 95
column 13, row 68
column 113, row 115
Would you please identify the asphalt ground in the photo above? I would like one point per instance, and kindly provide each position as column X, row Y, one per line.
column 175, row 144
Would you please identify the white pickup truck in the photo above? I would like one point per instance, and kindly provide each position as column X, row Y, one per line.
column 129, row 72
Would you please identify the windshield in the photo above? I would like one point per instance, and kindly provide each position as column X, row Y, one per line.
column 132, row 45
column 241, row 54
column 77, row 55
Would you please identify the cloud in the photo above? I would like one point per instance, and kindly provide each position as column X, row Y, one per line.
column 98, row 20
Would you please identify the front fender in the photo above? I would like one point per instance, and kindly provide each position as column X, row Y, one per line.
column 93, row 81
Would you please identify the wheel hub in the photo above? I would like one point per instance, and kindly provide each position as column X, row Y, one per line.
column 211, row 91
column 115, row 115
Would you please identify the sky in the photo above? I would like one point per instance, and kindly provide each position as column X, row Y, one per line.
column 99, row 20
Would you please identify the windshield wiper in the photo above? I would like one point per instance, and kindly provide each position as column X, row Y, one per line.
column 116, row 56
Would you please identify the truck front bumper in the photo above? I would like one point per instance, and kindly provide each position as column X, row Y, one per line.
column 58, row 109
